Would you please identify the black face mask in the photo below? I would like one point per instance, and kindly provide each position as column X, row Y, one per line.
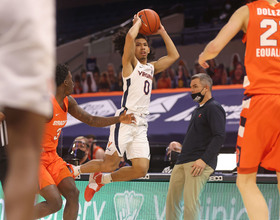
column 79, row 154
column 173, row 158
column 198, row 97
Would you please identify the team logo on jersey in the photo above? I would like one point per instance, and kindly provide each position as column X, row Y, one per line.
column 144, row 74
column 108, row 146
column 128, row 205
column 60, row 123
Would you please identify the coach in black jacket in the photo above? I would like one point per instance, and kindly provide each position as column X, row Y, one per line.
column 198, row 159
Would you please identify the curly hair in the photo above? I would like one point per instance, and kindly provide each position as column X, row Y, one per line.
column 61, row 73
column 119, row 41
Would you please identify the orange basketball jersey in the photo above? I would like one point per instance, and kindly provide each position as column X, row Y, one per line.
column 94, row 153
column 53, row 128
column 262, row 56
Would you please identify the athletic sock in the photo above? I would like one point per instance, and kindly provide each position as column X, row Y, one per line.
column 77, row 170
column 106, row 178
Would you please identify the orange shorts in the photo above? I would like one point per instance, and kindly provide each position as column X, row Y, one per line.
column 258, row 141
column 53, row 169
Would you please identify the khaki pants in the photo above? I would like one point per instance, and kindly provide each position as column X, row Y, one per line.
column 183, row 185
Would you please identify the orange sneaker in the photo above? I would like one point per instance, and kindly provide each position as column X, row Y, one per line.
column 93, row 186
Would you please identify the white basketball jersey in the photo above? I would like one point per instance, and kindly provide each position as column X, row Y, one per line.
column 137, row 88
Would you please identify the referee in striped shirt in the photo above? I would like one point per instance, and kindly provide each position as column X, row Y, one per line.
column 3, row 145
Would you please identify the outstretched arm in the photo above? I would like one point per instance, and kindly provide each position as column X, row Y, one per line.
column 237, row 22
column 128, row 58
column 172, row 53
column 95, row 121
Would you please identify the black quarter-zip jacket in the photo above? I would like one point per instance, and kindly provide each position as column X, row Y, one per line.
column 205, row 135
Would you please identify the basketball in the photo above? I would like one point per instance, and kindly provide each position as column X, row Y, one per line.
column 150, row 21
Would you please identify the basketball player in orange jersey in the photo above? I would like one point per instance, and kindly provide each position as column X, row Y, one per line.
column 258, row 141
column 137, row 75
column 55, row 178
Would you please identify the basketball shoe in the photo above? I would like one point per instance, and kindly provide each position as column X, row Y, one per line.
column 93, row 186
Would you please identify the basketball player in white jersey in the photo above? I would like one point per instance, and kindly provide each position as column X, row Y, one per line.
column 137, row 77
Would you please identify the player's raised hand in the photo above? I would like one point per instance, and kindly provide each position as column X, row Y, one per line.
column 136, row 18
column 127, row 118
column 202, row 62
column 161, row 29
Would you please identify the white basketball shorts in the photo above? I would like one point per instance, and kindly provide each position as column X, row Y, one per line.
column 129, row 138
column 27, row 54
